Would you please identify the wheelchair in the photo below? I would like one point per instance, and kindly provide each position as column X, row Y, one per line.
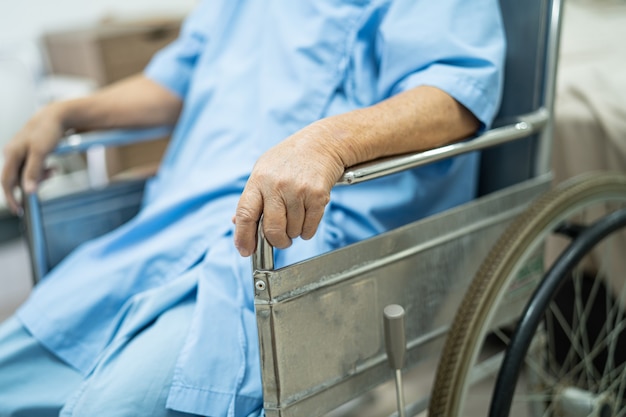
column 461, row 277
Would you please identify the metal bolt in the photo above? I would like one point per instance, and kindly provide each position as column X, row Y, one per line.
column 259, row 285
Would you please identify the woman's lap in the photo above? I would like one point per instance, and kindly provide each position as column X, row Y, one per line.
column 132, row 377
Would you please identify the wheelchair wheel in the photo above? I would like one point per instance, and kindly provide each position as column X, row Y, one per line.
column 557, row 364
column 577, row 324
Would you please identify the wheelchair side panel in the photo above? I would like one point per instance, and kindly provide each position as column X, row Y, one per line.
column 310, row 313
column 71, row 220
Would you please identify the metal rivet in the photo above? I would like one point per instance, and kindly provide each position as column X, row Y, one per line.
column 259, row 285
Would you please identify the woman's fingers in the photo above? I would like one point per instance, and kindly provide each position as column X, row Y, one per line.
column 26, row 152
column 246, row 219
column 286, row 216
column 252, row 204
column 14, row 158
column 275, row 221
column 33, row 169
column 311, row 221
column 290, row 186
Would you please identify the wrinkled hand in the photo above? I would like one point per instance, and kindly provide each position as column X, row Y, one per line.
column 26, row 154
column 290, row 185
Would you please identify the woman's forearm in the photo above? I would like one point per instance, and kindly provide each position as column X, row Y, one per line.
column 291, row 183
column 418, row 119
column 133, row 102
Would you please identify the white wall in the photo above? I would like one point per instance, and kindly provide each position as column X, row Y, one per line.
column 22, row 63
column 25, row 20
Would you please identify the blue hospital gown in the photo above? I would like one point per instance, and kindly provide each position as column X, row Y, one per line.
column 251, row 73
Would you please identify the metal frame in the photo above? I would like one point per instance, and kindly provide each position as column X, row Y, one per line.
column 540, row 120
column 295, row 379
column 317, row 353
column 352, row 274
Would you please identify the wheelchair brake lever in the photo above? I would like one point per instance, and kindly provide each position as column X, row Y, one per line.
column 395, row 345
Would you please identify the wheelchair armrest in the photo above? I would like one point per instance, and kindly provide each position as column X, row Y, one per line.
column 521, row 127
column 82, row 142
column 91, row 202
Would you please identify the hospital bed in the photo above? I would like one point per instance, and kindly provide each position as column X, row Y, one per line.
column 471, row 269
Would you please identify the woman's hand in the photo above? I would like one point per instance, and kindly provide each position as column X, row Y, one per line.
column 290, row 185
column 25, row 154
column 133, row 102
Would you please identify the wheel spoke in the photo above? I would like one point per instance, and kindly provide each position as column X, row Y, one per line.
column 613, row 338
column 588, row 308
column 549, row 409
column 548, row 396
column 579, row 367
column 613, row 335
column 619, row 398
column 552, row 361
column 503, row 337
column 574, row 347
column 580, row 330
column 538, row 369
column 614, row 375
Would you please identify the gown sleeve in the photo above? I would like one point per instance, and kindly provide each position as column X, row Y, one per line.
column 455, row 45
column 173, row 66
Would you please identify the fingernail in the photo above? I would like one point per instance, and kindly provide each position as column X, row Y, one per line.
column 243, row 252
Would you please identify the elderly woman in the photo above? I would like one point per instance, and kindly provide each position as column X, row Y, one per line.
column 271, row 101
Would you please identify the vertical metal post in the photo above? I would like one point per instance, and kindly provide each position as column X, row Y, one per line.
column 35, row 235
column 543, row 163
column 263, row 257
